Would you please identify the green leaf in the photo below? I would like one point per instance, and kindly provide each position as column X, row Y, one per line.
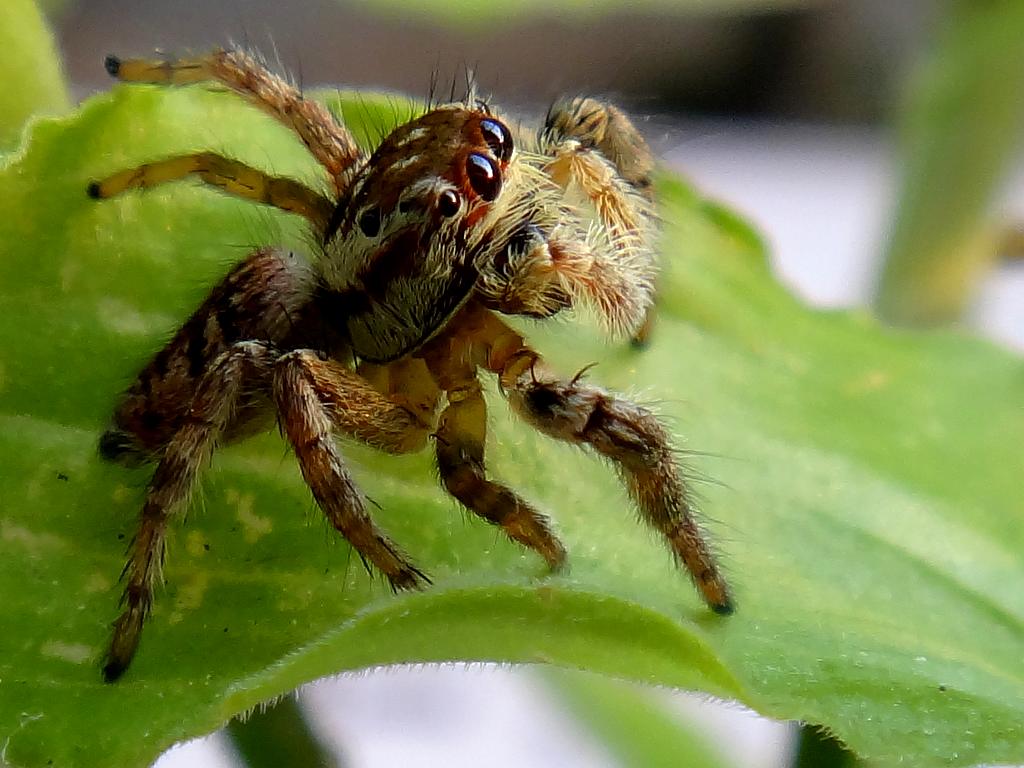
column 962, row 125
column 868, row 510
column 31, row 67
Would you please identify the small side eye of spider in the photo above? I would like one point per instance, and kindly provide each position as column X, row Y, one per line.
column 449, row 202
column 382, row 334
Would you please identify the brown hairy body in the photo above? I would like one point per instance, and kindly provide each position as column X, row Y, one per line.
column 448, row 224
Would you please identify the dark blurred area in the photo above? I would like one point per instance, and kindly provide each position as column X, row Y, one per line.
column 838, row 61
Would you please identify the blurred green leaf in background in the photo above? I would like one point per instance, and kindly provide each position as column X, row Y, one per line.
column 31, row 67
column 478, row 12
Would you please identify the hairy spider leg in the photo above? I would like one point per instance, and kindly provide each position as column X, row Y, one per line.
column 395, row 422
column 268, row 296
column 594, row 147
column 215, row 399
column 313, row 397
column 328, row 141
column 459, row 450
column 626, row 214
column 596, row 124
column 628, row 434
column 227, row 175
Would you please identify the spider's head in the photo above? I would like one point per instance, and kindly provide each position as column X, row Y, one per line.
column 446, row 209
column 442, row 170
column 404, row 246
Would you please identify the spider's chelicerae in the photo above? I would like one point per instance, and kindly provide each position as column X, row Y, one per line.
column 423, row 245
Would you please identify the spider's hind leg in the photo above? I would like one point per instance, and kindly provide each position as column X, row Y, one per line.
column 218, row 394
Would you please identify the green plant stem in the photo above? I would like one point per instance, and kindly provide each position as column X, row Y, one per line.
column 279, row 737
column 631, row 722
column 961, row 123
column 817, row 749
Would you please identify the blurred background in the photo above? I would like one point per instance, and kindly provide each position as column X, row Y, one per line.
column 812, row 119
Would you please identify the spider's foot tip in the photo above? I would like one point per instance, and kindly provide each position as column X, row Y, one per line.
column 724, row 608
column 112, row 64
column 117, row 446
column 113, row 670
column 558, row 561
column 113, row 444
column 93, row 190
column 410, row 578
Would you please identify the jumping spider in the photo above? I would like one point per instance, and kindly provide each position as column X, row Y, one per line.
column 423, row 244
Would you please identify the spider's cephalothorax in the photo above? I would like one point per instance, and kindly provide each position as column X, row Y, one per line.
column 450, row 222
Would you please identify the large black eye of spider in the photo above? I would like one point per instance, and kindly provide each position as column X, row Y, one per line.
column 369, row 221
column 448, row 203
column 498, row 138
column 484, row 176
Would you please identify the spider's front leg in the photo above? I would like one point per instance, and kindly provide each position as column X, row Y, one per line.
column 313, row 396
column 595, row 152
column 330, row 143
column 596, row 124
column 460, row 439
column 628, row 434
